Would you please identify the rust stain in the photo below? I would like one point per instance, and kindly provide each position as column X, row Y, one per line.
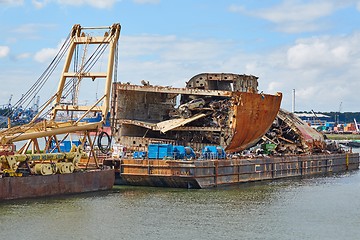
column 222, row 109
column 254, row 116
column 58, row 184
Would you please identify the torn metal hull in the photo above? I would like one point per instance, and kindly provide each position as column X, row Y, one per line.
column 254, row 114
column 213, row 173
column 58, row 184
column 229, row 113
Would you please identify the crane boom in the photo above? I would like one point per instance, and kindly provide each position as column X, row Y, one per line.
column 49, row 129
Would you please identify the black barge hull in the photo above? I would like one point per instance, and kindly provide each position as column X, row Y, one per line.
column 213, row 173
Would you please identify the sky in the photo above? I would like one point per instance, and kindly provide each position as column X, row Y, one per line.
column 312, row 46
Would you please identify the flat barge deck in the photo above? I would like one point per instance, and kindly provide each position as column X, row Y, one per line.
column 218, row 172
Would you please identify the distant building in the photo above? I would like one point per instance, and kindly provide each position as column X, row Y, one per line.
column 318, row 120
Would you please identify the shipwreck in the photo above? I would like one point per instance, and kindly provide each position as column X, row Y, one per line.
column 221, row 109
column 218, row 130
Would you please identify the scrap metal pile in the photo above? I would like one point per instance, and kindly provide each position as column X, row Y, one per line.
column 217, row 112
column 290, row 135
column 222, row 109
column 287, row 135
column 216, row 116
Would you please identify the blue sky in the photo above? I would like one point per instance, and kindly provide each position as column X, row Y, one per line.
column 307, row 45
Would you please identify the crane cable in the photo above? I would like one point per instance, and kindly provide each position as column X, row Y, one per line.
column 37, row 86
column 87, row 66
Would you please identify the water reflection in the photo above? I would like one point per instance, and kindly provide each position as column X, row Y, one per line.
column 312, row 208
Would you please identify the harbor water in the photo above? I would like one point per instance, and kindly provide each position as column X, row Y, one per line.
column 326, row 207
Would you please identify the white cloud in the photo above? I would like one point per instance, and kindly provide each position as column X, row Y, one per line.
column 153, row 57
column 4, row 51
column 323, row 52
column 294, row 16
column 145, row 44
column 168, row 48
column 296, row 11
column 146, row 1
column 39, row 4
column 32, row 29
column 23, row 56
column 27, row 28
column 12, row 2
column 323, row 70
column 46, row 54
column 93, row 3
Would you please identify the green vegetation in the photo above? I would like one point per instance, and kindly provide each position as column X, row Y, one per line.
column 343, row 136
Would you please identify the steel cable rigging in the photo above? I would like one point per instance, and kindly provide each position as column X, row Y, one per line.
column 33, row 91
column 68, row 87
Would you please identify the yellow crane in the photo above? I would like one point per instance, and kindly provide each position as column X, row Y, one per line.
column 52, row 130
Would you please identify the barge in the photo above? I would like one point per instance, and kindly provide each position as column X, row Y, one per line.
column 34, row 186
column 40, row 167
column 219, row 172
column 218, row 130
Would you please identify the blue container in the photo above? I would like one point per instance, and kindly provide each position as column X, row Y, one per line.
column 153, row 151
column 160, row 151
column 139, row 155
column 213, row 152
column 179, row 152
column 165, row 150
column 65, row 146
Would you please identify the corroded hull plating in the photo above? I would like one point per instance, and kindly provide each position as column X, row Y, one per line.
column 254, row 113
column 58, row 184
column 213, row 173
column 232, row 119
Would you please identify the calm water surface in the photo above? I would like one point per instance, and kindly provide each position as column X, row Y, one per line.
column 314, row 208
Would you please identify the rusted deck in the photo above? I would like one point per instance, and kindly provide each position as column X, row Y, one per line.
column 212, row 173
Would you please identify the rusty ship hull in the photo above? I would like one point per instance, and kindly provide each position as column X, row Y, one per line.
column 232, row 113
column 219, row 111
column 214, row 173
column 58, row 184
column 254, row 116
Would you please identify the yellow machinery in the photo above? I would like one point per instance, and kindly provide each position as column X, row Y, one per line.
column 42, row 160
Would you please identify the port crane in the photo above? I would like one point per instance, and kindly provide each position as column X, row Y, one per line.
column 316, row 118
column 9, row 102
column 52, row 130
